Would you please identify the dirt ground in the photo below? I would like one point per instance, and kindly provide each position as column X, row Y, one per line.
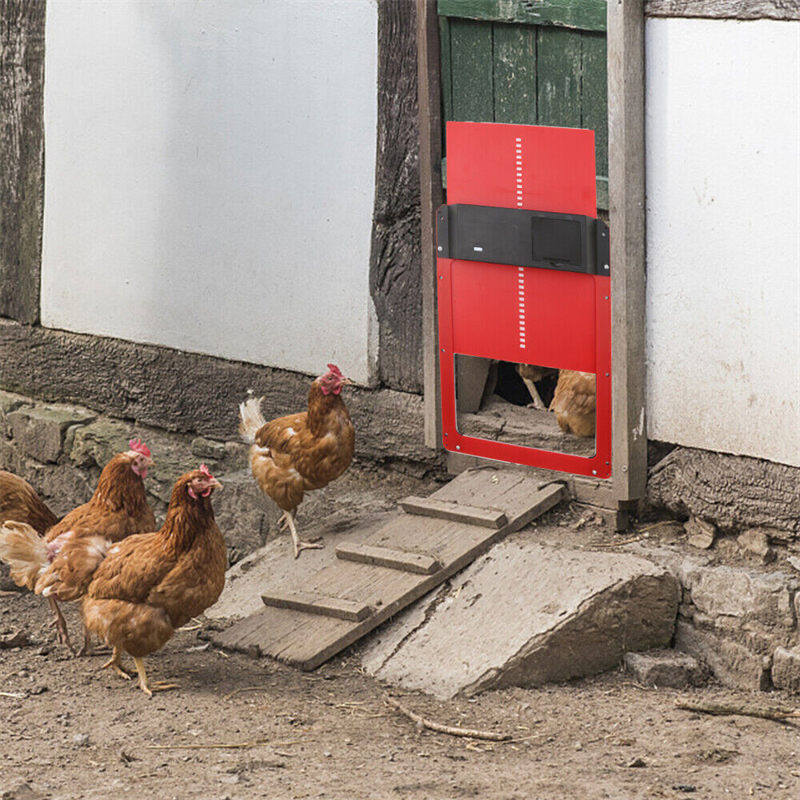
column 244, row 728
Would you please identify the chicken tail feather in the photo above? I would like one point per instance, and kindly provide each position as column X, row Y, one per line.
column 24, row 551
column 251, row 419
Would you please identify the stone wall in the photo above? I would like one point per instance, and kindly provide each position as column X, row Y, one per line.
column 740, row 619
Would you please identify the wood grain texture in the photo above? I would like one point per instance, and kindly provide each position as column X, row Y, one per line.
column 582, row 14
column 307, row 640
column 21, row 156
column 559, row 77
column 418, row 563
column 627, row 223
column 733, row 492
column 314, row 603
column 471, row 70
column 394, row 279
column 458, row 512
column 431, row 197
column 514, row 54
column 724, row 9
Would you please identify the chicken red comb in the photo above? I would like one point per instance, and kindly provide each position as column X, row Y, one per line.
column 138, row 446
column 206, row 471
column 335, row 370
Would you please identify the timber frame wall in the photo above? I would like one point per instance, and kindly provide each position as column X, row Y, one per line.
column 150, row 383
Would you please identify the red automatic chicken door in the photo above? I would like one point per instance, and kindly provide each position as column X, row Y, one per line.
column 523, row 268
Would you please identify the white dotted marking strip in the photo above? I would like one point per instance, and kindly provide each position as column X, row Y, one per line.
column 521, row 305
column 520, row 270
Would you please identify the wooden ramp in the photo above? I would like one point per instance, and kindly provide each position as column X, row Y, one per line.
column 385, row 568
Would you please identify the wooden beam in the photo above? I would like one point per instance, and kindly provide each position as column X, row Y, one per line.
column 587, row 15
column 312, row 603
column 429, row 95
column 21, row 157
column 724, row 9
column 627, row 217
column 458, row 512
column 394, row 272
column 418, row 563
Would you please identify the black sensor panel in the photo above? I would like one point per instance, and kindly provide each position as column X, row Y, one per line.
column 569, row 242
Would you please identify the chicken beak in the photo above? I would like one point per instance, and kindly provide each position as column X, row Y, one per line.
column 347, row 382
column 215, row 484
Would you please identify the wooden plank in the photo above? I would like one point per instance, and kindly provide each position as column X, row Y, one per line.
column 458, row 512
column 431, row 197
column 627, row 223
column 515, row 74
column 418, row 563
column 584, row 14
column 472, row 373
column 446, row 75
column 471, row 70
column 311, row 603
column 594, row 99
column 724, row 9
column 592, row 491
column 308, row 640
column 558, row 67
column 21, row 157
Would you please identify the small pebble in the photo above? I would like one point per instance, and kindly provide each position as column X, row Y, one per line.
column 636, row 762
column 327, row 754
column 81, row 740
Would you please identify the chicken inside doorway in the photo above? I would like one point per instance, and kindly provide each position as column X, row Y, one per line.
column 525, row 404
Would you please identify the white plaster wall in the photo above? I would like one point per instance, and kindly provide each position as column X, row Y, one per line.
column 210, row 176
column 723, row 241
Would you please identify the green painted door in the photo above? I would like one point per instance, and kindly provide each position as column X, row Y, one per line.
column 537, row 62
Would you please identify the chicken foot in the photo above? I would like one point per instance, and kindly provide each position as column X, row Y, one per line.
column 60, row 624
column 114, row 663
column 88, row 650
column 287, row 520
column 156, row 686
column 535, row 396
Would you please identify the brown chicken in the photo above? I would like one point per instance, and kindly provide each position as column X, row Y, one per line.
column 293, row 455
column 19, row 502
column 531, row 375
column 574, row 402
column 153, row 583
column 60, row 564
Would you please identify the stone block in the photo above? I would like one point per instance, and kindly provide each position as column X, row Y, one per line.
column 668, row 668
column 209, row 449
column 8, row 403
column 732, row 663
column 527, row 614
column 755, row 542
column 95, row 444
column 39, row 430
column 701, row 533
column 746, row 594
column 786, row 669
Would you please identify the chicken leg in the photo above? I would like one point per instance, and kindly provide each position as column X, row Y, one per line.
column 60, row 624
column 88, row 650
column 149, row 688
column 287, row 520
column 535, row 396
column 114, row 663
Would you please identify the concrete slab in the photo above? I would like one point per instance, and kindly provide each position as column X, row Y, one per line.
column 527, row 614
